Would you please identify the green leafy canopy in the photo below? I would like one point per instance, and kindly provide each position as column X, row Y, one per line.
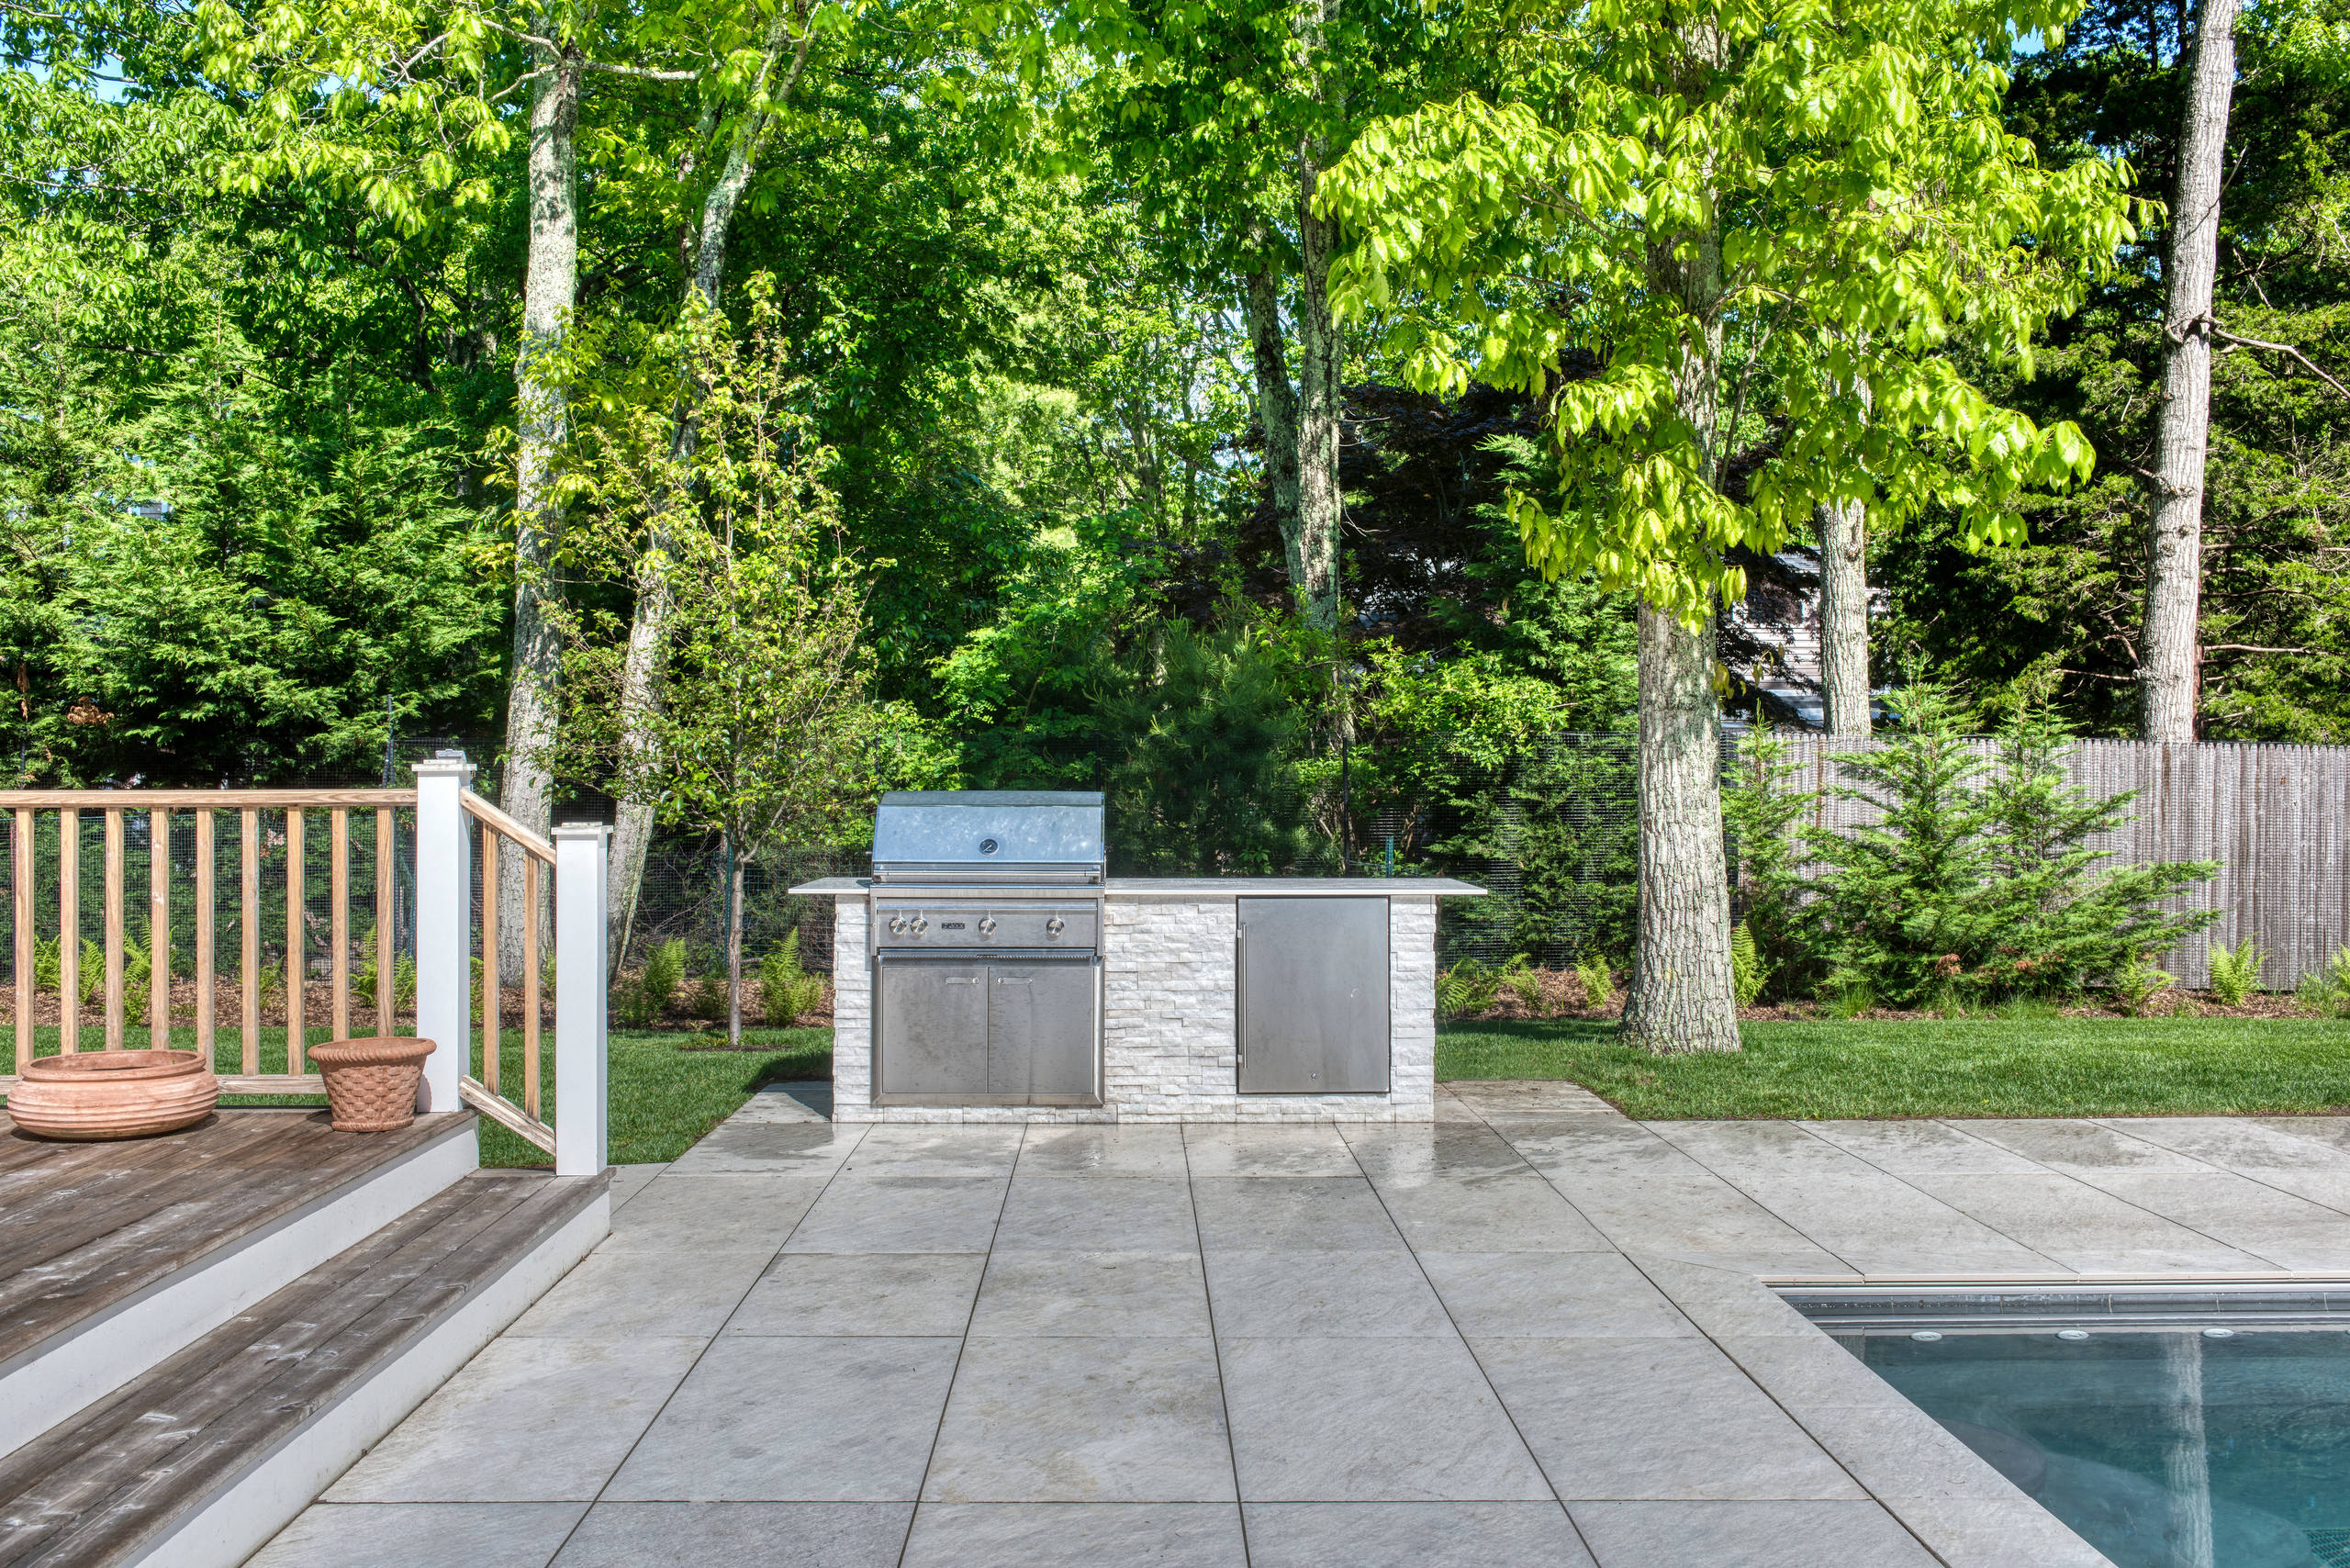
column 1847, row 164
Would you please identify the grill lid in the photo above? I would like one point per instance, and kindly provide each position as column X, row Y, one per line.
column 988, row 834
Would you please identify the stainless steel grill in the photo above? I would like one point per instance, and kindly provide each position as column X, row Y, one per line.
column 985, row 918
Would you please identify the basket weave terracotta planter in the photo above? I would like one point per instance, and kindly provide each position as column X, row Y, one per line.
column 371, row 1083
column 93, row 1095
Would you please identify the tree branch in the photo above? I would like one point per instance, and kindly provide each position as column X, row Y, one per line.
column 641, row 73
column 2220, row 332
column 2255, row 648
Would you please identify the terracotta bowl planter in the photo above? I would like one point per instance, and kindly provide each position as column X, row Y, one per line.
column 371, row 1083
column 93, row 1096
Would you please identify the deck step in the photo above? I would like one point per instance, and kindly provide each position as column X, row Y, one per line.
column 201, row 1459
column 115, row 1254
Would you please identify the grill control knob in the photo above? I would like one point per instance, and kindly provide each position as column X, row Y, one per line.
column 920, row 925
column 1055, row 926
column 986, row 925
column 897, row 925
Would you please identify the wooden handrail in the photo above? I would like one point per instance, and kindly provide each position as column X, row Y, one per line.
column 198, row 800
column 506, row 1113
column 482, row 811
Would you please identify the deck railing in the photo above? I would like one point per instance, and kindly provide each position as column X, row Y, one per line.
column 278, row 941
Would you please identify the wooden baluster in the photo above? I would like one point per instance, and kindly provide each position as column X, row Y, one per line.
column 159, row 930
column 249, row 936
column 339, row 915
column 69, row 929
column 492, row 1003
column 529, row 982
column 21, row 874
column 387, row 994
column 203, row 936
column 297, row 960
column 114, row 928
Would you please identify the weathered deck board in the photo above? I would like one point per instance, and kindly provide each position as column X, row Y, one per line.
column 85, row 1225
column 99, row 1487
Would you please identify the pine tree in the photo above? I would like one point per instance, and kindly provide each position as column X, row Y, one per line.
column 1762, row 808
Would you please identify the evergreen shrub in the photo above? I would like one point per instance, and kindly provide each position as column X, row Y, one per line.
column 1977, row 882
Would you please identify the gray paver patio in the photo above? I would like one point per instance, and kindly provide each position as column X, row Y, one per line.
column 1530, row 1332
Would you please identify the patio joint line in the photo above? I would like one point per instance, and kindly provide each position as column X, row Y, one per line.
column 963, row 1344
column 2216, row 1170
column 1764, row 1389
column 1732, row 1182
column 2212, row 1237
column 716, row 1335
column 1474, row 1360
column 1565, row 1198
column 1216, row 1344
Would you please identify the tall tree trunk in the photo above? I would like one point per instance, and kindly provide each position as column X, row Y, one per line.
column 550, row 288
column 649, row 624
column 1681, row 996
column 734, row 945
column 1276, row 400
column 2169, row 669
column 1321, row 360
column 1844, row 615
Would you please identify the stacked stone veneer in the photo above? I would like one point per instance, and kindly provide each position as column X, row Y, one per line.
column 1170, row 1045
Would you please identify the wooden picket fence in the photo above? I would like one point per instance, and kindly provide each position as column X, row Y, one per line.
column 2275, row 817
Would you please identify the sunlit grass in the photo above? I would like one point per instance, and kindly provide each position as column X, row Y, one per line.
column 2054, row 1067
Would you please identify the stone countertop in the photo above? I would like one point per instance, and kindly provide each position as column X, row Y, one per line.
column 1195, row 888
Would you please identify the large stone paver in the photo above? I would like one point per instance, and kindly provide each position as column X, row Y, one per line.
column 1529, row 1332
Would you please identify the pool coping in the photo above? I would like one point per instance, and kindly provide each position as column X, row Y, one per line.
column 1953, row 1501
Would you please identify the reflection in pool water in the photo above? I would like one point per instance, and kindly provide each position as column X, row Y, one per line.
column 2166, row 1449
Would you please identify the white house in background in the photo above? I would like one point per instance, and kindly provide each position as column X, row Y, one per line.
column 1771, row 640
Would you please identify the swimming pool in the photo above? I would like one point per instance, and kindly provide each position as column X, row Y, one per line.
column 2168, row 1432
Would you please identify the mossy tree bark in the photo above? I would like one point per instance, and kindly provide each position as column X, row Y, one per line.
column 2170, row 667
column 1845, row 616
column 550, row 288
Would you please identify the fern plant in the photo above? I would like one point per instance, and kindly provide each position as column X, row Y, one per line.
column 1522, row 981
column 1747, row 973
column 2326, row 992
column 1467, row 988
column 2137, row 983
column 787, row 991
column 1598, row 980
column 640, row 1002
column 1847, row 995
column 2237, row 975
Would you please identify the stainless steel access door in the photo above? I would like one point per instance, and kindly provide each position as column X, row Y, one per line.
column 995, row 1031
column 932, row 1018
column 1044, row 1032
column 1312, row 1003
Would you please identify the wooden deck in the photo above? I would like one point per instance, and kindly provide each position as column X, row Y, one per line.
column 125, row 1474
column 202, row 1329
column 86, row 1227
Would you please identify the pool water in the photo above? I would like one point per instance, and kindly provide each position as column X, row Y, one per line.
column 2162, row 1449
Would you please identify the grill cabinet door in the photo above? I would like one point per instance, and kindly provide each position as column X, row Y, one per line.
column 934, row 1018
column 1312, row 1003
column 1042, row 1031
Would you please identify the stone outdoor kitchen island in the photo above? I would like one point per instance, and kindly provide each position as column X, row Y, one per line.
column 990, row 972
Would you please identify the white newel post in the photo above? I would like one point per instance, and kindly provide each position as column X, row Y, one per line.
column 444, row 928
column 582, row 991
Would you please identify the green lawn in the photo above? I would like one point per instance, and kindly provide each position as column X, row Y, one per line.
column 2062, row 1067
column 662, row 1098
